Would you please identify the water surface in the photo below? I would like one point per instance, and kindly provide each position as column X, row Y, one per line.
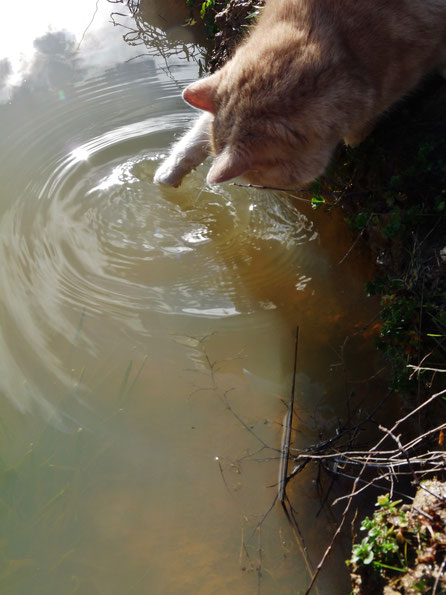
column 147, row 334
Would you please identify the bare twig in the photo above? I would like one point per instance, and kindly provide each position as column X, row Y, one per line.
column 329, row 548
column 437, row 580
column 422, row 369
column 392, row 461
column 356, row 241
column 392, row 430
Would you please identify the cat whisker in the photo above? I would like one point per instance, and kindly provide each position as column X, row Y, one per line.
column 259, row 187
column 202, row 189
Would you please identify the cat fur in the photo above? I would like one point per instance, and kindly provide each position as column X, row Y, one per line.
column 311, row 74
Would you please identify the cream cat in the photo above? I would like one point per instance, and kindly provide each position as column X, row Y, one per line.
column 312, row 73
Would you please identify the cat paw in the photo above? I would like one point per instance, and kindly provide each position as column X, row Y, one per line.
column 167, row 175
column 186, row 154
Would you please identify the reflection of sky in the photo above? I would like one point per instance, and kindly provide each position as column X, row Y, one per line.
column 55, row 38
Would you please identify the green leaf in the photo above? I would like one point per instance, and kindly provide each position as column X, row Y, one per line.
column 368, row 559
column 383, row 500
column 317, row 200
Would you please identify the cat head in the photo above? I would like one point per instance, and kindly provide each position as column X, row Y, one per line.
column 270, row 128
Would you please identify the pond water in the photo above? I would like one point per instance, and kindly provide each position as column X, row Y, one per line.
column 147, row 333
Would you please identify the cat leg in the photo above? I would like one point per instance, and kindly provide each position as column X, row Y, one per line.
column 186, row 154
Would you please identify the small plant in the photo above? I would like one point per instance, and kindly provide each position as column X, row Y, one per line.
column 404, row 546
column 317, row 194
column 381, row 546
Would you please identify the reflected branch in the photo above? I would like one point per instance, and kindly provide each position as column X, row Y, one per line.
column 151, row 29
column 213, row 367
column 88, row 26
column 285, row 449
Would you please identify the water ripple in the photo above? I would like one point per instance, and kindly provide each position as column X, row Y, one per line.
column 98, row 237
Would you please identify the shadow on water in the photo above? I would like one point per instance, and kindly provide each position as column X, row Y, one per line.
column 148, row 335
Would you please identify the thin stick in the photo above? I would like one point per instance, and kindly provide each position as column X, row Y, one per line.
column 422, row 369
column 356, row 241
column 290, row 513
column 283, row 470
column 378, row 444
column 440, row 572
column 328, row 550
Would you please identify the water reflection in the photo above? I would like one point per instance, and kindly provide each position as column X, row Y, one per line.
column 147, row 336
column 160, row 25
column 54, row 50
column 5, row 71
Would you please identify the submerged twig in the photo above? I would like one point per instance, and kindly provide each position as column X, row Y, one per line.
column 285, row 451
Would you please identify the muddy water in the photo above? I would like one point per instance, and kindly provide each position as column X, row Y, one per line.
column 147, row 335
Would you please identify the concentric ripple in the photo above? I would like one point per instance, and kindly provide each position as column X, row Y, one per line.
column 88, row 236
column 115, row 238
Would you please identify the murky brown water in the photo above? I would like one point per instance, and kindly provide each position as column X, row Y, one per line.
column 147, row 336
